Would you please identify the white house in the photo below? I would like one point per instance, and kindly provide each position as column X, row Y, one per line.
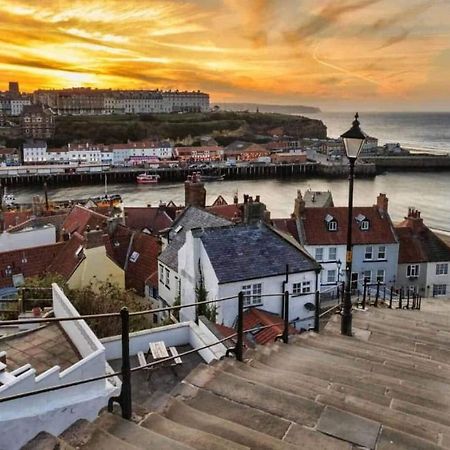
column 169, row 283
column 140, row 151
column 424, row 259
column 35, row 151
column 254, row 259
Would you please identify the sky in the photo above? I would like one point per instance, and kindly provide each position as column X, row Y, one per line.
column 335, row 54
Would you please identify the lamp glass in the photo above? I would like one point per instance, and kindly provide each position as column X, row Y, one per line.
column 353, row 146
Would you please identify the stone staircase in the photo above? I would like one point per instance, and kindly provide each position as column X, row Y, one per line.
column 388, row 387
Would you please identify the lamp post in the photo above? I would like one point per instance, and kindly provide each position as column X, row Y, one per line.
column 353, row 142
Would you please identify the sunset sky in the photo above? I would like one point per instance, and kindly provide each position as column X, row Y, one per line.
column 336, row 54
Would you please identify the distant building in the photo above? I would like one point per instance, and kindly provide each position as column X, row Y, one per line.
column 35, row 151
column 370, row 146
column 424, row 259
column 245, row 151
column 202, row 153
column 9, row 156
column 37, row 122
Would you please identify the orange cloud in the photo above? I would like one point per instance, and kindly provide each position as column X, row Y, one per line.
column 260, row 50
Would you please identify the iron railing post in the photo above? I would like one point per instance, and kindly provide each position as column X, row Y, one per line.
column 124, row 399
column 126, row 377
column 400, row 298
column 390, row 297
column 286, row 318
column 407, row 297
column 317, row 312
column 364, row 293
column 240, row 328
column 377, row 294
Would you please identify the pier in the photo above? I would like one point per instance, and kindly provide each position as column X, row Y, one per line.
column 21, row 176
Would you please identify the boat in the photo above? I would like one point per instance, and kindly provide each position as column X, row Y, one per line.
column 145, row 178
column 212, row 177
column 107, row 200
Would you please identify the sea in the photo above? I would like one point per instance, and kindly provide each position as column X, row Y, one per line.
column 428, row 192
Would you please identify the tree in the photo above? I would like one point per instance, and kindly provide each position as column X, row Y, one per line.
column 201, row 295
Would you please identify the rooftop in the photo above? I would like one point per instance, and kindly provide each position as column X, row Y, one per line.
column 190, row 218
column 43, row 348
column 154, row 219
column 256, row 251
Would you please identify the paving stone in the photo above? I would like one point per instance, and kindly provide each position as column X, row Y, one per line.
column 351, row 428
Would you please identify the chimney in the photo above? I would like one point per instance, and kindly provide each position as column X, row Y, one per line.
column 93, row 238
column 413, row 220
column 112, row 224
column 236, row 198
column 194, row 191
column 254, row 212
column 382, row 203
column 299, row 206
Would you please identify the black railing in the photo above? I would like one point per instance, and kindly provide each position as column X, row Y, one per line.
column 124, row 399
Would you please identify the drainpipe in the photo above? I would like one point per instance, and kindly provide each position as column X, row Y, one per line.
column 283, row 289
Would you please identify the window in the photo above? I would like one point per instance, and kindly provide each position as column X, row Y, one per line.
column 332, row 225
column 412, row 271
column 303, row 287
column 167, row 281
column 382, row 252
column 319, row 254
column 368, row 252
column 134, row 257
column 439, row 289
column 161, row 273
column 332, row 254
column 367, row 276
column 252, row 294
column 364, row 225
column 331, row 276
column 442, row 269
column 380, row 275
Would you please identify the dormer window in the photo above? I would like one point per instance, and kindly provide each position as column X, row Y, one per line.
column 363, row 222
column 331, row 222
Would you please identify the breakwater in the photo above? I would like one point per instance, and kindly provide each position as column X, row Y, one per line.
column 411, row 163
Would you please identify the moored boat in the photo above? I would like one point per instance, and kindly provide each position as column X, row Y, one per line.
column 145, row 178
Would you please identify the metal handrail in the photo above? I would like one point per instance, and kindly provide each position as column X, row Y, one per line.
column 134, row 369
column 329, row 310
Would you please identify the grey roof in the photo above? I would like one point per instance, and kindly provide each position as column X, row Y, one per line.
column 190, row 218
column 318, row 199
column 245, row 252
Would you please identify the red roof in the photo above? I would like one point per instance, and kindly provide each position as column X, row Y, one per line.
column 80, row 217
column 30, row 262
column 153, row 219
column 287, row 226
column 314, row 226
column 227, row 211
column 256, row 317
column 118, row 244
column 142, row 262
column 13, row 218
column 419, row 244
column 69, row 257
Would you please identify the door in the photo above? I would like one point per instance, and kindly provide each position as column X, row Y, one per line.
column 354, row 285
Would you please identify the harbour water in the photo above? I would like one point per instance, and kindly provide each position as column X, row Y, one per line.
column 428, row 132
column 428, row 192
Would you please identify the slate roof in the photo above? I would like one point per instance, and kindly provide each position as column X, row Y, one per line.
column 318, row 199
column 190, row 218
column 246, row 252
column 155, row 219
column 313, row 228
column 36, row 222
column 420, row 246
column 30, row 262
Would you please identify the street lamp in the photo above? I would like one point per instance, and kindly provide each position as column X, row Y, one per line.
column 353, row 142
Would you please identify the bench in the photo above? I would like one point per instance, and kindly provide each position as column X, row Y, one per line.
column 174, row 352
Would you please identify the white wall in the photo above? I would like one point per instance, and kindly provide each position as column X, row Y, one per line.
column 53, row 412
column 328, row 264
column 433, row 279
column 31, row 237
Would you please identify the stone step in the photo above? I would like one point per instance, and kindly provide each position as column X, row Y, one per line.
column 437, row 354
column 271, row 400
column 135, row 435
column 213, row 404
column 46, row 441
column 255, row 419
column 391, row 439
column 434, row 320
column 85, row 435
column 393, row 329
column 234, row 432
column 407, row 320
column 189, row 436
column 406, row 423
column 349, row 349
column 439, row 381
column 291, row 383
